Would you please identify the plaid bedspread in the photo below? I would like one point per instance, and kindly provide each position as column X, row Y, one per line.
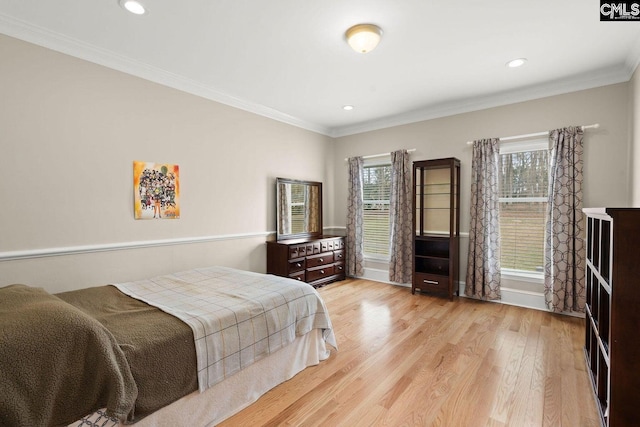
column 237, row 317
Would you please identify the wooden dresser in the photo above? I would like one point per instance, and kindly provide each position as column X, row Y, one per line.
column 315, row 260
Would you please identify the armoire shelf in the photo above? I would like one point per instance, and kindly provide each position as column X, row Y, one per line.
column 436, row 221
column 612, row 344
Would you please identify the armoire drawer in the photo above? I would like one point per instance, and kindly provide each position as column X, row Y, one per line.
column 431, row 282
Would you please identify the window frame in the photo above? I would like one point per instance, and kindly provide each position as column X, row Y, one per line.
column 512, row 147
column 368, row 163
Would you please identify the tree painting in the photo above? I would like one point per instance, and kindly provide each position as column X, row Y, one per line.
column 156, row 190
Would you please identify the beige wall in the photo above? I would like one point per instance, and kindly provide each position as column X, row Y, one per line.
column 607, row 166
column 69, row 132
column 635, row 137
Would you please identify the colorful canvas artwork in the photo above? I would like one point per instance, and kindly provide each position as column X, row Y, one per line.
column 156, row 189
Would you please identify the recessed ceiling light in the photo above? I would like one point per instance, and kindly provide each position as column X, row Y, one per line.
column 347, row 107
column 133, row 6
column 515, row 63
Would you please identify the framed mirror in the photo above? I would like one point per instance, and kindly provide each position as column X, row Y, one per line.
column 299, row 209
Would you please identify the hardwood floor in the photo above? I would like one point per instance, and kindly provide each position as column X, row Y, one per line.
column 417, row 360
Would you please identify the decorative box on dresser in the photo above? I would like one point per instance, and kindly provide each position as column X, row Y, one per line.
column 612, row 338
column 317, row 261
column 436, row 221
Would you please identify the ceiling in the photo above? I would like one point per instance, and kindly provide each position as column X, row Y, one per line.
column 288, row 60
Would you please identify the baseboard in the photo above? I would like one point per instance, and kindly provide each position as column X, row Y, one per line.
column 517, row 297
column 510, row 296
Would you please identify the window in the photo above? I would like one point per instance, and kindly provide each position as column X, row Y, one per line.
column 524, row 183
column 297, row 205
column 376, row 192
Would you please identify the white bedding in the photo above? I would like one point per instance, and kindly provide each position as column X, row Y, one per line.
column 234, row 393
column 237, row 317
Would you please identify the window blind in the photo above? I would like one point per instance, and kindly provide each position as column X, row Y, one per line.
column 376, row 194
column 523, row 201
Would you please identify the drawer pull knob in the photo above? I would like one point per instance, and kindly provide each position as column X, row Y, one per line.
column 299, row 279
column 321, row 271
column 321, row 260
column 431, row 282
column 298, row 265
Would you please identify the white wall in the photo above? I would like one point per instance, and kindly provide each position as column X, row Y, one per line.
column 607, row 165
column 69, row 133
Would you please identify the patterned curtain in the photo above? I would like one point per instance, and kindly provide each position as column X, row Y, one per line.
column 284, row 204
column 401, row 216
column 312, row 209
column 307, row 210
column 483, row 270
column 355, row 214
column 564, row 266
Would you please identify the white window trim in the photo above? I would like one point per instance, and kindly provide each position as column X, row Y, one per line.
column 526, row 145
column 511, row 147
column 524, row 276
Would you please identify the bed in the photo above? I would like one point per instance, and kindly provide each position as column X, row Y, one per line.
column 190, row 348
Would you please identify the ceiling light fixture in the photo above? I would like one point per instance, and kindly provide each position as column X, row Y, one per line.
column 133, row 6
column 515, row 63
column 363, row 38
column 347, row 107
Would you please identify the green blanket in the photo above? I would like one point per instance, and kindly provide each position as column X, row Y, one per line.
column 159, row 347
column 57, row 364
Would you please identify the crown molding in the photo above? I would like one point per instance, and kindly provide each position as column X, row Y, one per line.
column 633, row 59
column 559, row 87
column 76, row 48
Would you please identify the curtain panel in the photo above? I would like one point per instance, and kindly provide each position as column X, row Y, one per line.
column 483, row 270
column 564, row 245
column 284, row 226
column 401, row 217
column 355, row 213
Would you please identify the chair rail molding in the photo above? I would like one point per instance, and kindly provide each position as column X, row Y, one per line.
column 105, row 247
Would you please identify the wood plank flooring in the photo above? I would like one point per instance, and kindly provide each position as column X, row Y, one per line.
column 418, row 360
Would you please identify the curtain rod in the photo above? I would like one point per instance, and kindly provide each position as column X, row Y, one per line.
column 373, row 156
column 533, row 135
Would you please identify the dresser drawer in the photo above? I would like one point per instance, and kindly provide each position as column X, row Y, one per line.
column 300, row 276
column 338, row 255
column 338, row 268
column 319, row 272
column 322, row 259
column 297, row 251
column 296, row 265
